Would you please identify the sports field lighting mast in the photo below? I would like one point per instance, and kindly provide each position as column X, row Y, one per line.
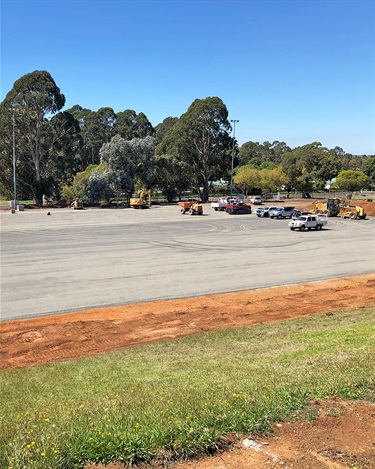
column 14, row 158
column 234, row 122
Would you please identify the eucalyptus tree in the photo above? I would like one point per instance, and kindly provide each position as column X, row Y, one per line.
column 128, row 162
column 32, row 101
column 265, row 155
column 64, row 156
column 306, row 166
column 98, row 128
column 164, row 127
column 99, row 188
column 172, row 176
column 6, row 152
column 125, row 124
column 201, row 139
column 144, row 127
column 79, row 113
column 131, row 125
column 172, row 173
column 368, row 167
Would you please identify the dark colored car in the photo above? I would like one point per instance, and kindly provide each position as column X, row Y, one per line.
column 239, row 209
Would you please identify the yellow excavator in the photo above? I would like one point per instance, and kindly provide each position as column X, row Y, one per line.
column 77, row 204
column 141, row 200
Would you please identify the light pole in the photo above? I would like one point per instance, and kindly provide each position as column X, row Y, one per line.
column 14, row 161
column 234, row 121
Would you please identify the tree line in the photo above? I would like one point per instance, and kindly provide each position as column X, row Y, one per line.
column 100, row 155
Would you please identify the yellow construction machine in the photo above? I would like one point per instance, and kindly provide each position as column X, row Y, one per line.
column 352, row 211
column 330, row 208
column 338, row 207
column 141, row 200
column 77, row 204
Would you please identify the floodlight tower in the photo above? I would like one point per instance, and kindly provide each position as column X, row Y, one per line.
column 234, row 122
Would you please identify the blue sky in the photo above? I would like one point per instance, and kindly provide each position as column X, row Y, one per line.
column 295, row 71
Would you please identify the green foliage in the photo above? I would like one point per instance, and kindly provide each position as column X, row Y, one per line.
column 67, row 193
column 80, row 186
column 62, row 163
column 180, row 397
column 99, row 188
column 172, row 176
column 163, row 128
column 267, row 180
column 307, row 164
column 192, row 151
column 368, row 167
column 260, row 156
column 273, row 180
column 33, row 98
column 131, row 125
column 200, row 139
column 128, row 160
column 350, row 180
column 247, row 179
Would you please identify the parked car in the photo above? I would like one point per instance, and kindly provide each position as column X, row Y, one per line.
column 239, row 209
column 263, row 212
column 282, row 212
column 256, row 200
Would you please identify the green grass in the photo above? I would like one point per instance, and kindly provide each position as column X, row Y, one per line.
column 179, row 398
column 6, row 202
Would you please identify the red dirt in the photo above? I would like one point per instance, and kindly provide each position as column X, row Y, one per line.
column 67, row 336
column 344, row 440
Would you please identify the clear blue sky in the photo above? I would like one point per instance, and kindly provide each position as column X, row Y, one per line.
column 295, row 71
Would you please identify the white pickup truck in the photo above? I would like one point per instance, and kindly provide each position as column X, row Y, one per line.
column 308, row 222
column 222, row 203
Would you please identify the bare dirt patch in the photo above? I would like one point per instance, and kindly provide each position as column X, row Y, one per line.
column 61, row 337
column 342, row 436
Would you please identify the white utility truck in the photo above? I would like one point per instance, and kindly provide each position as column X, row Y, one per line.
column 308, row 222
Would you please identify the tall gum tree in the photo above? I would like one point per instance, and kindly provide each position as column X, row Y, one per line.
column 34, row 98
column 201, row 139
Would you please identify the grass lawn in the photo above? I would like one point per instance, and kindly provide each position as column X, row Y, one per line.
column 178, row 398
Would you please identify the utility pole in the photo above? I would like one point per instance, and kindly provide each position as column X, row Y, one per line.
column 234, row 122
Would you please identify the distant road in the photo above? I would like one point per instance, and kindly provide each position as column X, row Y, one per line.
column 73, row 260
